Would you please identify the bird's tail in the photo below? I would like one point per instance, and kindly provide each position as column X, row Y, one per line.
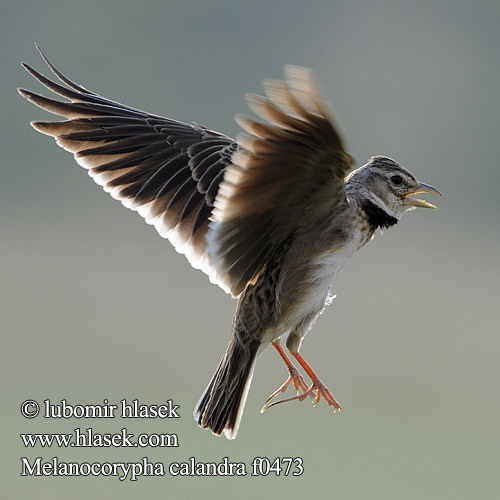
column 221, row 406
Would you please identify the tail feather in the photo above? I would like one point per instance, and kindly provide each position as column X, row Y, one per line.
column 221, row 406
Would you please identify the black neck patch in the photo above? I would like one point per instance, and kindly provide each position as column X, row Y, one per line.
column 377, row 217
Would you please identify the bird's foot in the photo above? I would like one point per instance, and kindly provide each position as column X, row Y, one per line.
column 298, row 382
column 318, row 386
column 323, row 391
column 316, row 391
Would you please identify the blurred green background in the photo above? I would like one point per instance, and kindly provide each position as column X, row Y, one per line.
column 94, row 304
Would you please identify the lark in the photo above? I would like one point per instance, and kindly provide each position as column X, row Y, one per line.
column 271, row 217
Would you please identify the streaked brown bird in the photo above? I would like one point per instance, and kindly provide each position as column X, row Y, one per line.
column 270, row 217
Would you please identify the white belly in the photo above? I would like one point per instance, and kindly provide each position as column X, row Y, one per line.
column 327, row 266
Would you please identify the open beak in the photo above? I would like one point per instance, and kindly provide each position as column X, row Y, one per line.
column 415, row 202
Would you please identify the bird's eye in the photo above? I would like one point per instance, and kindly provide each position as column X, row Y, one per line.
column 396, row 179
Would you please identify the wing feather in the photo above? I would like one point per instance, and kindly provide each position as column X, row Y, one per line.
column 227, row 205
column 167, row 171
column 287, row 176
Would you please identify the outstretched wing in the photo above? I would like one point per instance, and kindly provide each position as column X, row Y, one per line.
column 226, row 205
column 168, row 171
column 287, row 177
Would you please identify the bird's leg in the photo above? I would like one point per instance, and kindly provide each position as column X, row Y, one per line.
column 315, row 391
column 295, row 377
column 317, row 385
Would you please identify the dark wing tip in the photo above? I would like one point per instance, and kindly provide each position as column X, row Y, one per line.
column 33, row 72
column 57, row 73
column 44, row 57
column 27, row 94
column 23, row 92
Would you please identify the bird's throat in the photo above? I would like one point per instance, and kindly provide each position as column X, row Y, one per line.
column 377, row 217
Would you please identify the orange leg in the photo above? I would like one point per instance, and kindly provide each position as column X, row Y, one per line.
column 295, row 377
column 316, row 390
column 322, row 389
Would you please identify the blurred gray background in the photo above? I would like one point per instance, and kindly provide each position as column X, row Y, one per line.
column 96, row 305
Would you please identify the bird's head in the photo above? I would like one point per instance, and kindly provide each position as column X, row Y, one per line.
column 385, row 183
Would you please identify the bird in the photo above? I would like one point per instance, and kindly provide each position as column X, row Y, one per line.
column 271, row 216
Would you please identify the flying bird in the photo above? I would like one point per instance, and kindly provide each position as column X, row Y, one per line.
column 270, row 217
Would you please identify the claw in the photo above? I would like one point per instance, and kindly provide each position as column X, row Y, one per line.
column 299, row 397
column 321, row 390
column 298, row 382
column 315, row 391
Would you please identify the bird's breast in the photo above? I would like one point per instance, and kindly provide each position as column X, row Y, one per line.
column 308, row 283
